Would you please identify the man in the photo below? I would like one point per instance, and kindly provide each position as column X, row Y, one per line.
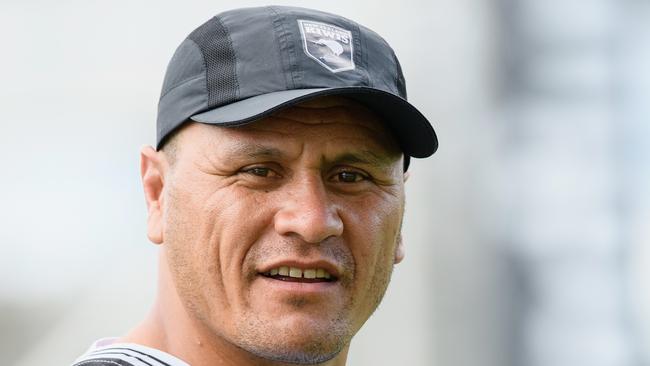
column 276, row 192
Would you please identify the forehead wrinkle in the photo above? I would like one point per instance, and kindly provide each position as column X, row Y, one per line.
column 348, row 114
column 272, row 138
column 287, row 126
column 367, row 157
column 253, row 150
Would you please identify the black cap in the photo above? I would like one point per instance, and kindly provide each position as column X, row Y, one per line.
column 244, row 64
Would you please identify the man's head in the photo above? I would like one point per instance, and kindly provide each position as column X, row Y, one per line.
column 316, row 190
column 279, row 214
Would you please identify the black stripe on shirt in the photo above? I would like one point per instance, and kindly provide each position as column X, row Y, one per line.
column 110, row 351
column 132, row 350
column 103, row 362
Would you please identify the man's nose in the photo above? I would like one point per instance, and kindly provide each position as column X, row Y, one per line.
column 308, row 212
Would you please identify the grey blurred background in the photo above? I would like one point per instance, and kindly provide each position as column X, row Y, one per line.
column 527, row 242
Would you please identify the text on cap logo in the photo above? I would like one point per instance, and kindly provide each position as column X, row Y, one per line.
column 329, row 45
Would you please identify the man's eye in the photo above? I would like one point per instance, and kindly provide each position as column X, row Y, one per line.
column 350, row 177
column 259, row 171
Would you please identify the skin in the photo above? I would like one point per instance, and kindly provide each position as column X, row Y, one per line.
column 321, row 181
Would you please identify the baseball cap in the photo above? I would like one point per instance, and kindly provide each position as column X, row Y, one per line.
column 244, row 64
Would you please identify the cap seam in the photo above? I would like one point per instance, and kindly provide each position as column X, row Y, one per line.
column 363, row 62
column 234, row 51
column 205, row 68
column 278, row 25
column 399, row 76
column 181, row 84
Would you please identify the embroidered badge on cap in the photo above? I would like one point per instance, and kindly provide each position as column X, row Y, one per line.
column 329, row 45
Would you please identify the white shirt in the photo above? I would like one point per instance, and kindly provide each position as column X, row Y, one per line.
column 106, row 352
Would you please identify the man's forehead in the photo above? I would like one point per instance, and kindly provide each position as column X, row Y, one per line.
column 331, row 109
column 336, row 126
column 358, row 154
column 340, row 117
column 292, row 130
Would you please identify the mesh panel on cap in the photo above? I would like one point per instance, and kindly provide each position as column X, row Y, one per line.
column 215, row 44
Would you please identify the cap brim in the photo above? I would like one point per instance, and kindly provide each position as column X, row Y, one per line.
column 412, row 130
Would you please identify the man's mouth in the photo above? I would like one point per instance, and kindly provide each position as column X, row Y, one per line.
column 293, row 274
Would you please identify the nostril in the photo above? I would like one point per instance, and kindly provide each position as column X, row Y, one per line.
column 312, row 224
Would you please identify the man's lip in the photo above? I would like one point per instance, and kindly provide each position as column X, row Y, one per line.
column 330, row 267
column 322, row 288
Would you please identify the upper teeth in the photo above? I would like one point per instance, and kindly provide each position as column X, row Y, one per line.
column 300, row 273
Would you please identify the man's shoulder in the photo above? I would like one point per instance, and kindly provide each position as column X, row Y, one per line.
column 127, row 354
column 103, row 362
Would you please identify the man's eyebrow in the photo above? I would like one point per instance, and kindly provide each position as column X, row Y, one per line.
column 254, row 151
column 366, row 157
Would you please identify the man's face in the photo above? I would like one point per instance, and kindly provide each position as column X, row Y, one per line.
column 281, row 235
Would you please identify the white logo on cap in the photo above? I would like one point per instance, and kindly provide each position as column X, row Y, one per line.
column 329, row 45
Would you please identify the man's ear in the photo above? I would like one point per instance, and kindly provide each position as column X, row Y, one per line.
column 153, row 166
column 406, row 175
column 399, row 249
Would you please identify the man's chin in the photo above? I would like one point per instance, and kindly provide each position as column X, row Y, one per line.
column 301, row 343
column 303, row 356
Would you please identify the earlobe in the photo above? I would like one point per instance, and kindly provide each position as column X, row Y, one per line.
column 399, row 249
column 152, row 172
